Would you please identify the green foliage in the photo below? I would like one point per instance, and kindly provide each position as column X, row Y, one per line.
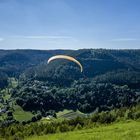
column 110, row 80
column 64, row 128
column 3, row 80
column 37, row 95
column 14, row 62
column 78, row 127
column 18, row 131
column 116, row 131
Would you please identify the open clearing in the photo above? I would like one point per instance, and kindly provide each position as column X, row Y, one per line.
column 21, row 115
column 69, row 114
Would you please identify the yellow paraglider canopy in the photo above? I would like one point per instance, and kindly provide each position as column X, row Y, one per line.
column 66, row 57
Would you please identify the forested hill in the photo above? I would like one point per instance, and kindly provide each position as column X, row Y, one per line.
column 101, row 64
column 94, row 61
column 123, row 65
column 14, row 62
column 111, row 79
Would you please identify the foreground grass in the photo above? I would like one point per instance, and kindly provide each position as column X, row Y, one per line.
column 117, row 131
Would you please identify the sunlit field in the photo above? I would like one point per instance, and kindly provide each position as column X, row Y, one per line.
column 118, row 131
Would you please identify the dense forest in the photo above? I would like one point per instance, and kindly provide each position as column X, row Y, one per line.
column 110, row 80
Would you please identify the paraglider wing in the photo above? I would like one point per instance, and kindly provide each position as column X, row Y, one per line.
column 66, row 57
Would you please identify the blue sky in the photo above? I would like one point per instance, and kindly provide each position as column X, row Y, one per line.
column 69, row 24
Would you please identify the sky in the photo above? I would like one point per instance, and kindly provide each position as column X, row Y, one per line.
column 69, row 24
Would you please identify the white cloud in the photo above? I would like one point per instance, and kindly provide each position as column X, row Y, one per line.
column 53, row 38
column 48, row 37
column 124, row 39
column 43, row 37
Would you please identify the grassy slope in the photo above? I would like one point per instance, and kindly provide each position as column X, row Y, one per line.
column 69, row 114
column 117, row 131
column 21, row 115
column 61, row 115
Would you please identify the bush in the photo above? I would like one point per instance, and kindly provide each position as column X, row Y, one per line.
column 128, row 114
column 106, row 117
column 95, row 117
column 18, row 136
column 49, row 129
column 64, row 128
column 78, row 127
column 34, row 119
column 9, row 113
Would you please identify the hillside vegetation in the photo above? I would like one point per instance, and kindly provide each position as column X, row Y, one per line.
column 117, row 131
column 111, row 79
column 33, row 92
column 20, row 131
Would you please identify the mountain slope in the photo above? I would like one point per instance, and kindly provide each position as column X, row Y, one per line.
column 95, row 62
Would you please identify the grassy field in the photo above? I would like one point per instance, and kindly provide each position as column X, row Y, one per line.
column 69, row 114
column 118, row 131
column 20, row 114
column 61, row 115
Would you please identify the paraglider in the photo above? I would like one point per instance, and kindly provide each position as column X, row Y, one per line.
column 66, row 57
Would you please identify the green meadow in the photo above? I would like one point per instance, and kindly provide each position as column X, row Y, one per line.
column 21, row 115
column 117, row 131
column 69, row 114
